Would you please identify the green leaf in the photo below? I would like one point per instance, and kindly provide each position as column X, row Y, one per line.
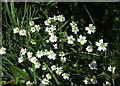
column 18, row 73
column 106, row 75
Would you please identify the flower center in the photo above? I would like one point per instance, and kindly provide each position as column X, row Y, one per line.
column 102, row 45
column 91, row 28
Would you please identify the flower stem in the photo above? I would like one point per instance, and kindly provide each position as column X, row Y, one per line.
column 35, row 80
column 52, row 74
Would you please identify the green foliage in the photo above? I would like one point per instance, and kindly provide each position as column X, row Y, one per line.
column 16, row 14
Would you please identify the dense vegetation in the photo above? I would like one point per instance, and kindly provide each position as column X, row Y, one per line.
column 104, row 16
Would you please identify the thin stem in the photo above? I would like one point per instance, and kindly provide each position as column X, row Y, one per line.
column 35, row 80
column 89, row 14
column 52, row 74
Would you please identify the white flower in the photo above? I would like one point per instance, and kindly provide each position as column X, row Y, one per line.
column 75, row 29
column 82, row 40
column 29, row 54
column 61, row 54
column 22, row 32
column 53, row 67
column 39, row 54
column 53, row 38
column 44, row 67
column 47, row 22
column 107, row 83
column 32, row 29
column 2, row 50
column 47, row 29
column 86, row 81
column 37, row 65
column 51, row 33
column 16, row 30
column 70, row 39
column 32, row 41
column 31, row 23
column 33, row 60
column 93, row 80
column 65, row 76
column 59, row 70
column 101, row 45
column 55, row 46
column 111, row 69
column 46, row 52
column 52, row 28
column 37, row 27
column 45, row 81
column 47, row 41
column 73, row 24
column 23, row 51
column 48, row 76
column 93, row 65
column 51, row 55
column 28, row 83
column 63, row 59
column 61, row 18
column 55, row 18
column 90, row 29
column 20, row 59
column 89, row 49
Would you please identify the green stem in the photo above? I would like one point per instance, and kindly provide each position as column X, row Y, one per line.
column 35, row 80
column 52, row 74
column 113, row 81
column 89, row 14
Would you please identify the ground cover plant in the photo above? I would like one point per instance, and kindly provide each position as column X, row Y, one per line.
column 58, row 44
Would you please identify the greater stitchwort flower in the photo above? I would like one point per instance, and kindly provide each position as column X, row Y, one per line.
column 82, row 40
column 2, row 50
column 90, row 29
column 101, row 45
column 70, row 39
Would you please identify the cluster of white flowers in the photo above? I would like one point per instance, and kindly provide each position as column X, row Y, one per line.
column 2, row 50
column 59, row 71
column 45, row 80
column 62, row 57
column 30, row 57
column 22, row 52
column 21, row 32
column 52, row 36
column 51, row 55
column 92, row 80
column 93, row 65
column 59, row 18
column 107, row 83
column 34, row 60
column 74, row 27
column 33, row 27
